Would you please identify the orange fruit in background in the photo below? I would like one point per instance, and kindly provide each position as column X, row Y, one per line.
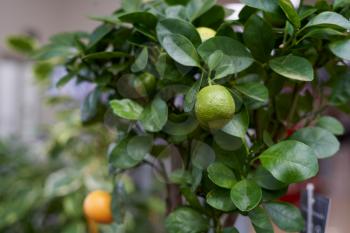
column 97, row 206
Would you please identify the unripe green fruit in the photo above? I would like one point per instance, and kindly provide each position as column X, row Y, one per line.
column 214, row 106
column 145, row 84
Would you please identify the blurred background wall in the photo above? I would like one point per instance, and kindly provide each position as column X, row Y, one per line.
column 45, row 17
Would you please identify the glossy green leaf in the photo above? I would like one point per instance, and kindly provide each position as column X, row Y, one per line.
column 196, row 8
column 254, row 90
column 155, row 115
column 177, row 26
column 236, row 57
column 130, row 151
column 331, row 124
column 221, row 175
column 191, row 197
column 238, row 126
column 180, row 176
column 177, row 12
column 324, row 33
column 89, row 108
column 181, row 128
column 146, row 19
column 259, row 37
column 286, row 216
column 290, row 12
column 190, row 97
column 65, row 79
column 141, row 61
column 246, row 195
column 328, row 18
column 220, row 199
column 215, row 59
column 202, row 155
column 104, row 55
column 260, row 220
column 186, row 220
column 99, row 34
column 213, row 17
column 320, row 140
column 293, row 67
column 126, row 108
column 181, row 50
column 54, row 51
column 268, row 6
column 265, row 180
column 230, row 230
column 139, row 146
column 340, row 89
column 226, row 30
column 227, row 142
column 341, row 48
column 290, row 161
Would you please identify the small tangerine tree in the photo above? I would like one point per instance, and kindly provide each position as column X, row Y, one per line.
column 242, row 102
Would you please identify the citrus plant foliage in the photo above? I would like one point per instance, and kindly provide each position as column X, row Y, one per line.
column 268, row 79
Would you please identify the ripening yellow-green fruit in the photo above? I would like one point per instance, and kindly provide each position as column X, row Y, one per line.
column 214, row 106
column 205, row 33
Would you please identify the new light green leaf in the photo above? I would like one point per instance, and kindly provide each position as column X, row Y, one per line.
column 126, row 108
column 293, row 67
column 21, row 43
column 290, row 161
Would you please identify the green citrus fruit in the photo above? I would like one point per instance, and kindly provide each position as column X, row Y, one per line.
column 205, row 33
column 145, row 84
column 214, row 106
